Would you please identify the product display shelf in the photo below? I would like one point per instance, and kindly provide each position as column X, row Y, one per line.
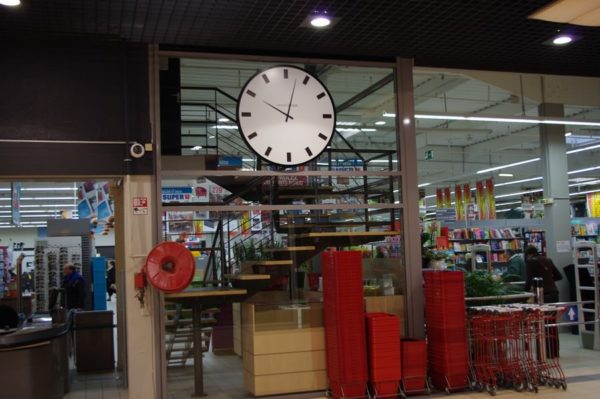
column 585, row 230
column 4, row 264
column 585, row 258
column 462, row 241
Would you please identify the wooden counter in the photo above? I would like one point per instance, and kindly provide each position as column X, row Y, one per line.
column 280, row 357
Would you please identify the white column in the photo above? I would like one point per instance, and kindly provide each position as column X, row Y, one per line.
column 557, row 221
column 143, row 342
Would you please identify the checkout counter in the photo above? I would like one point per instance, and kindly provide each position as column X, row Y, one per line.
column 34, row 361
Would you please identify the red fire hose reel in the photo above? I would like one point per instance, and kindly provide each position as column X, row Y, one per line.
column 170, row 267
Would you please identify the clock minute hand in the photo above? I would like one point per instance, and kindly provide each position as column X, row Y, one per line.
column 290, row 105
column 278, row 110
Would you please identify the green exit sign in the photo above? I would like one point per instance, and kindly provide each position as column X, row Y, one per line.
column 428, row 155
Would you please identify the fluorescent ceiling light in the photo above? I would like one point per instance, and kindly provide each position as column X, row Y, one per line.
column 233, row 127
column 223, row 119
column 423, row 185
column 518, row 181
column 483, row 118
column 510, row 165
column 506, row 175
column 389, row 115
column 380, row 123
column 584, row 192
column 573, row 172
column 348, row 129
column 593, row 147
column 537, row 190
column 509, row 203
column 502, row 210
column 562, row 40
column 10, row 3
column 346, row 123
column 589, row 182
column 71, row 205
column 567, row 134
column 196, row 148
column 368, row 129
column 46, row 198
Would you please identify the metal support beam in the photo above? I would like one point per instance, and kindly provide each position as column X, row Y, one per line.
column 407, row 153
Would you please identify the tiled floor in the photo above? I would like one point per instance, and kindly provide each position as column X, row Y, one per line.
column 223, row 380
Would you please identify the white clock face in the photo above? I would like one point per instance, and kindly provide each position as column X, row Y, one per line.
column 286, row 115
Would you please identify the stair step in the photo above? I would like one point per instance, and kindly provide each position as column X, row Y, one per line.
column 244, row 277
column 291, row 249
column 272, row 263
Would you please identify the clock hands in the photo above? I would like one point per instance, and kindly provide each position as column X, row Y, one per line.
column 290, row 105
column 278, row 110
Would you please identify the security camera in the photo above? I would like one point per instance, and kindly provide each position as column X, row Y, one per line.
column 137, row 150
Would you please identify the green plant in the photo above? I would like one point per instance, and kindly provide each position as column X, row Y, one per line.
column 481, row 283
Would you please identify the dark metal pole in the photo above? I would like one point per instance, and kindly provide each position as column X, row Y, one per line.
column 198, row 366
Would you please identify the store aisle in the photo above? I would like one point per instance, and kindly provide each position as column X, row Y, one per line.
column 96, row 386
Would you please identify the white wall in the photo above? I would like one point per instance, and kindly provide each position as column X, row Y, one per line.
column 27, row 235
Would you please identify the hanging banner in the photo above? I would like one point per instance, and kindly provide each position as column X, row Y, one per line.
column 16, row 203
column 593, row 205
column 447, row 198
column 460, row 205
column 481, row 200
column 246, row 224
column 491, row 201
column 440, row 198
column 467, row 193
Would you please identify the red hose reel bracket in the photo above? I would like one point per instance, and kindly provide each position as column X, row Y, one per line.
column 170, row 267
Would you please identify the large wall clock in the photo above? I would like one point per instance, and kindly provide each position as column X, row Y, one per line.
column 286, row 115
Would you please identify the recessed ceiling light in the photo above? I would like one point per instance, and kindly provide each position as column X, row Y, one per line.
column 380, row 123
column 567, row 134
column 505, row 174
column 320, row 20
column 10, row 3
column 562, row 40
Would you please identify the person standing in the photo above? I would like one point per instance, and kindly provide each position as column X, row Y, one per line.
column 540, row 266
column 111, row 287
column 74, row 287
column 516, row 265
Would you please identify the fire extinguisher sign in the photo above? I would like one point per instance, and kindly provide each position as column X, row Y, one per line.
column 140, row 205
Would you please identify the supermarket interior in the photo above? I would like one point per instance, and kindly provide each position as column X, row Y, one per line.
column 237, row 222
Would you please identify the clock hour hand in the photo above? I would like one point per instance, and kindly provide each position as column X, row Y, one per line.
column 278, row 110
column 291, row 99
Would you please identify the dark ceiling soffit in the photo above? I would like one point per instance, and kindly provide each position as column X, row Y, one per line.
column 269, row 53
column 419, row 61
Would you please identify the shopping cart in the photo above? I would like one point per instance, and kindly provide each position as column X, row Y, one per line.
column 514, row 346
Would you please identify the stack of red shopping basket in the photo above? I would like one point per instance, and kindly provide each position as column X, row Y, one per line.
column 344, row 323
column 383, row 344
column 414, row 366
column 446, row 329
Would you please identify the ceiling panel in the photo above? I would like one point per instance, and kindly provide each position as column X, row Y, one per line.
column 476, row 34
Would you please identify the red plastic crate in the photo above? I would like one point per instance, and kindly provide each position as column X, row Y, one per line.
column 414, row 385
column 385, row 388
column 457, row 381
column 345, row 334
column 441, row 334
column 348, row 390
